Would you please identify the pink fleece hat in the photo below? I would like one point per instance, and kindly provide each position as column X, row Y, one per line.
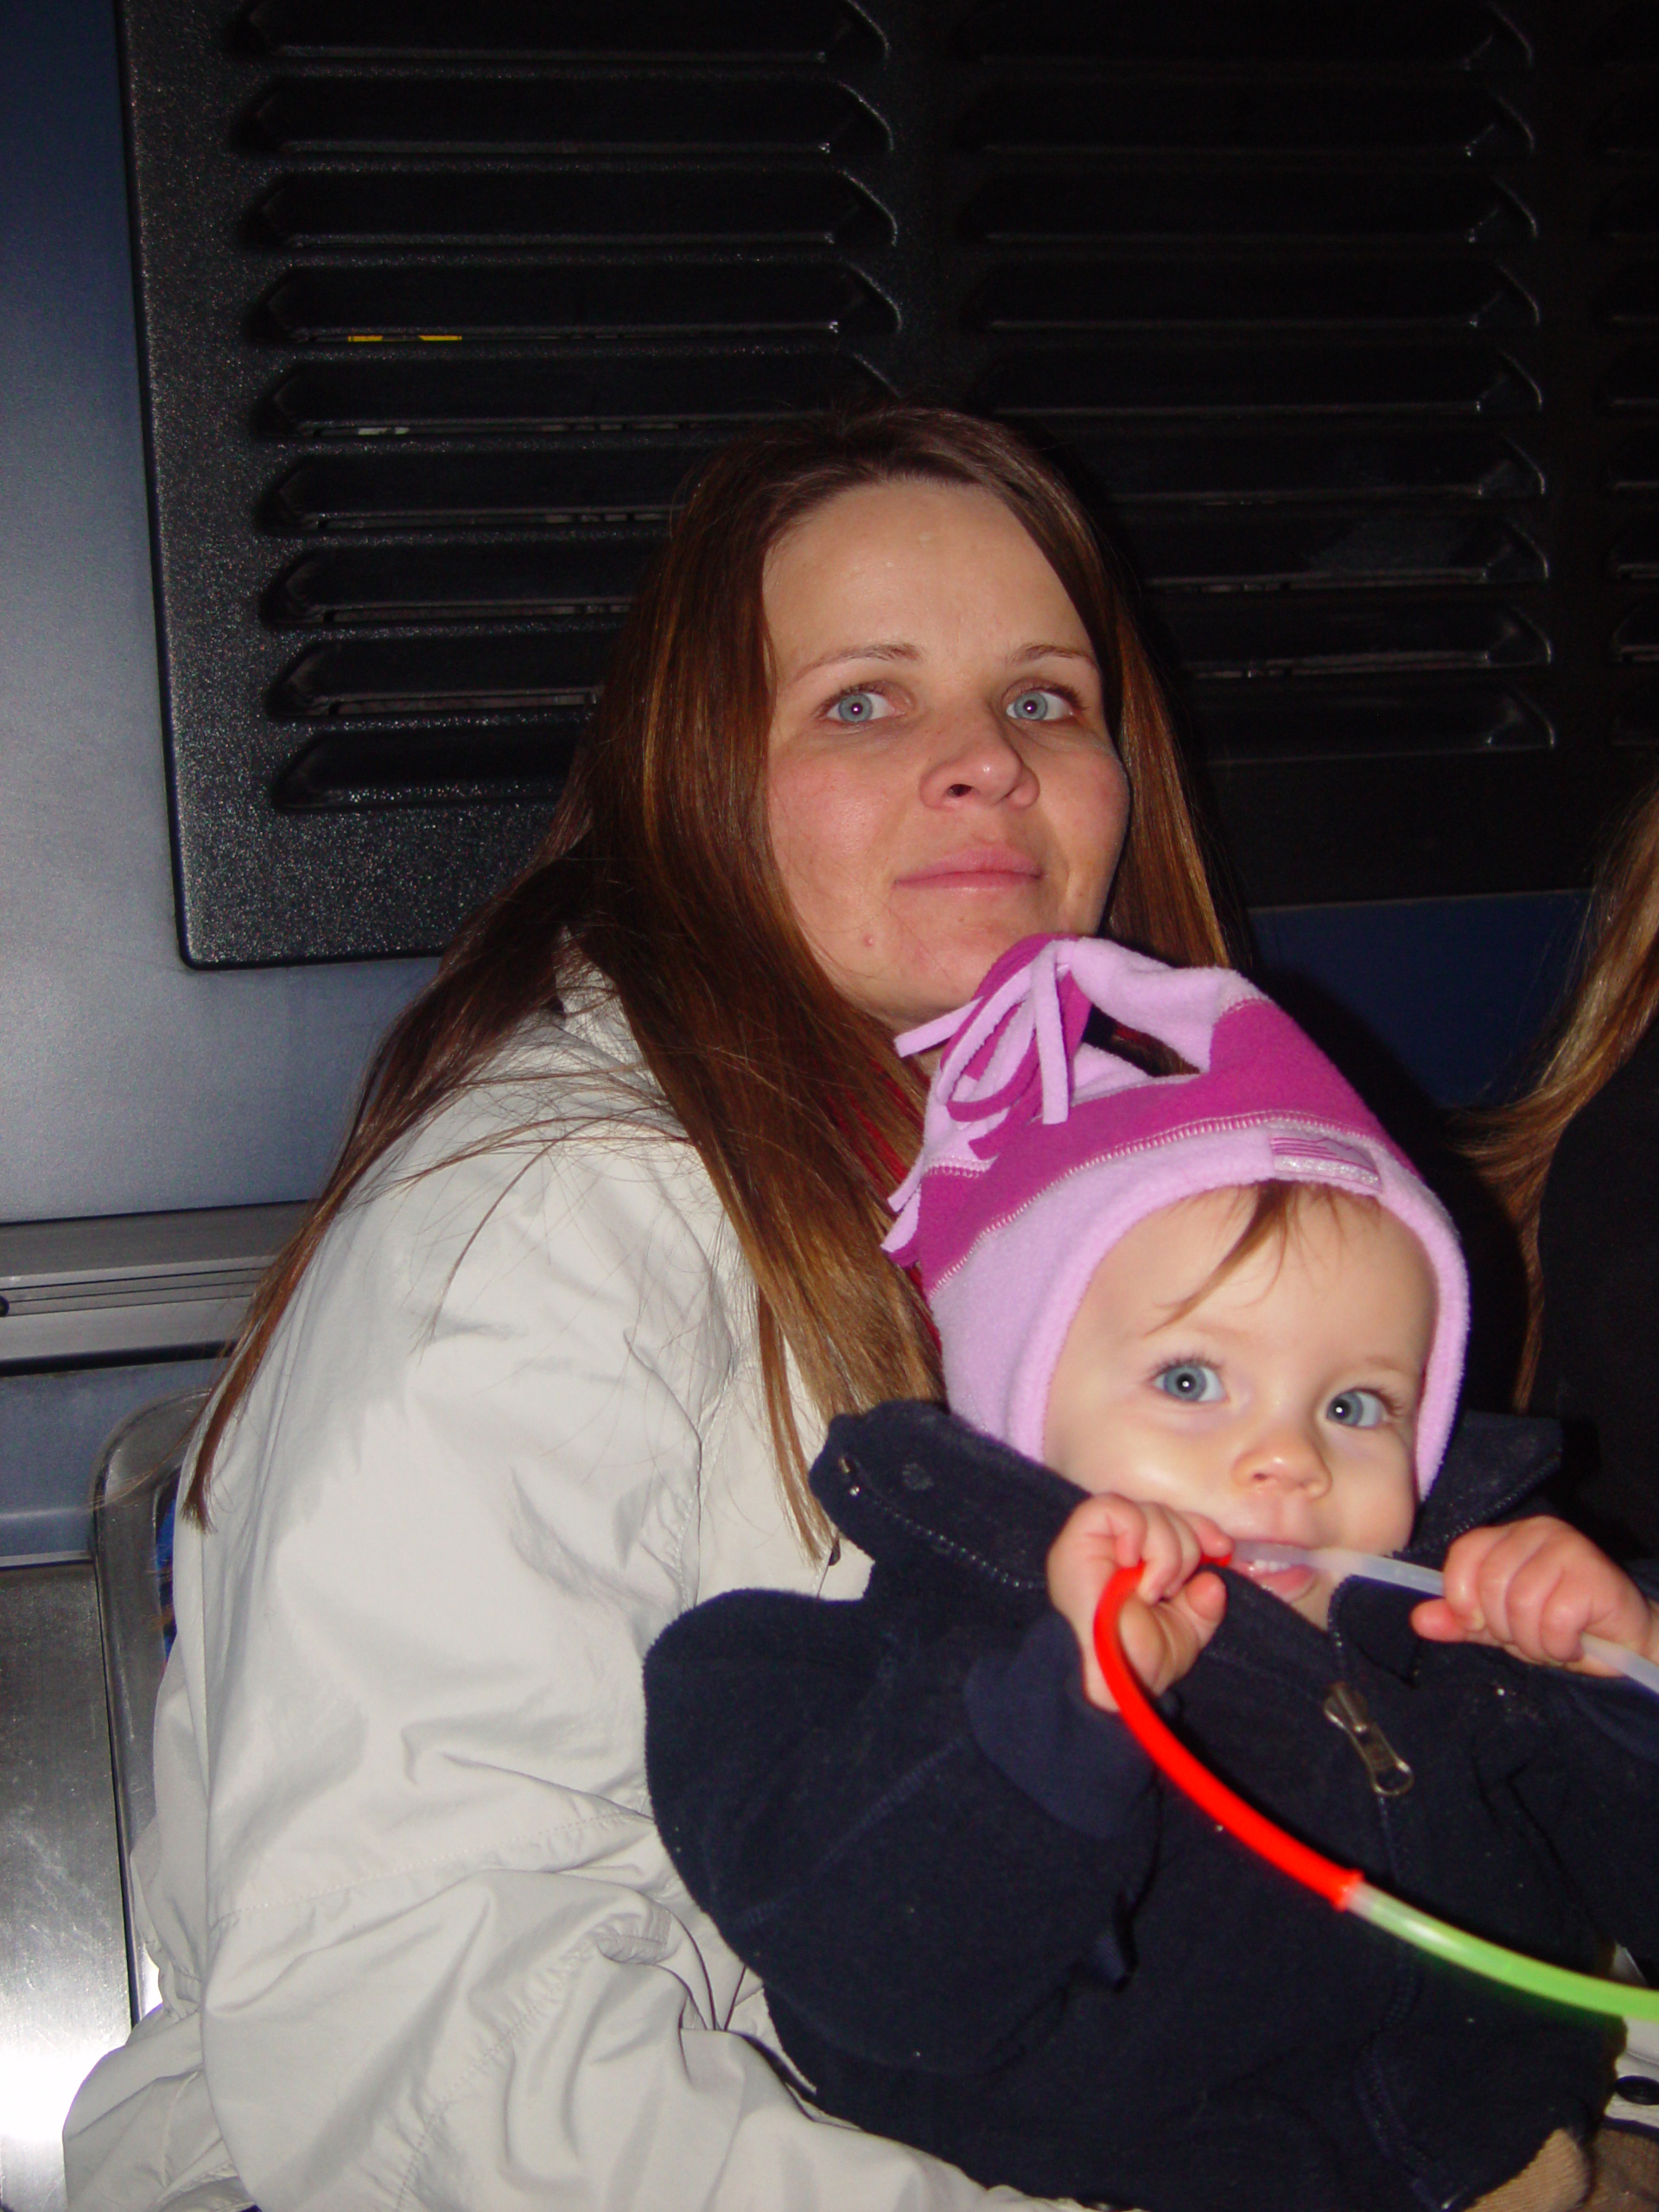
column 1040, row 1152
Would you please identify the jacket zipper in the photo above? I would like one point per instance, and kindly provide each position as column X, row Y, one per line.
column 1425, row 2173
column 1390, row 1776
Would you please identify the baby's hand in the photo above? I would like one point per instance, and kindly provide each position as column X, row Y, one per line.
column 1536, row 1588
column 1175, row 1611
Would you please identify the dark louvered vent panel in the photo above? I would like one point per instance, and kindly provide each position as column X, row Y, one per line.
column 442, row 306
column 1347, row 314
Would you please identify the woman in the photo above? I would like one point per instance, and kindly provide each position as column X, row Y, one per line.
column 1576, row 1162
column 546, row 1364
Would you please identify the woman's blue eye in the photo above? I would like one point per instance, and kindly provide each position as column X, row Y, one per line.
column 855, row 706
column 1040, row 707
column 1192, row 1381
column 1357, row 1409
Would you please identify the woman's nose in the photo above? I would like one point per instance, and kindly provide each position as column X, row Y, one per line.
column 976, row 758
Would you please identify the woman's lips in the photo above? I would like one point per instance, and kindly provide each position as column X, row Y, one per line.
column 988, row 868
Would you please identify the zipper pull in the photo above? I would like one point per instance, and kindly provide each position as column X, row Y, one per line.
column 1390, row 1776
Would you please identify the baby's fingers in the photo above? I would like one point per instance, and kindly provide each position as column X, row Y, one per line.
column 1177, row 1545
column 1437, row 1621
column 1537, row 1587
column 1162, row 1642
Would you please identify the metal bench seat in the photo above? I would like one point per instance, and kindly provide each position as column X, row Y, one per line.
column 82, row 1645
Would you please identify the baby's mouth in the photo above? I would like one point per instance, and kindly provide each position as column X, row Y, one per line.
column 1273, row 1567
column 1289, row 1583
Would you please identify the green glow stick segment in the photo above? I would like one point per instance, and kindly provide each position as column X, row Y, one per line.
column 1588, row 1991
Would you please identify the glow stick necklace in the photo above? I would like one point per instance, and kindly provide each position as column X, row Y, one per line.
column 1346, row 1887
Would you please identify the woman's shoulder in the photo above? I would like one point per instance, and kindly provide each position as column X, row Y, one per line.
column 581, row 1073
column 547, row 1244
column 561, row 1140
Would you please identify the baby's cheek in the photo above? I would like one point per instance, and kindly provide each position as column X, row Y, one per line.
column 1376, row 1504
column 1396, row 1512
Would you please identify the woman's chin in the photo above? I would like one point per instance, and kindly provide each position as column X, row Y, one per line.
column 964, row 954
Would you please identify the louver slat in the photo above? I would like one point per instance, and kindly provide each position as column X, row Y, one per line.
column 658, row 392
column 423, row 765
column 1238, row 380
column 1135, row 208
column 405, row 583
column 472, row 490
column 1423, row 34
column 1294, row 639
column 336, row 209
column 659, row 30
column 1453, row 122
column 482, row 673
column 1310, row 294
column 326, row 306
column 1270, row 550
column 1352, row 725
column 1214, row 465
column 1635, row 554
column 1636, row 638
column 656, row 114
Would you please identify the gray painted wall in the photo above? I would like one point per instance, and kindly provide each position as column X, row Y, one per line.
column 128, row 1083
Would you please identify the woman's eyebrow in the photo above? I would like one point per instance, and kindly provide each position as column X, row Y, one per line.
column 895, row 649
column 892, row 651
column 1039, row 651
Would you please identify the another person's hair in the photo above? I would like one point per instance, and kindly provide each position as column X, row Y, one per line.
column 659, row 871
column 1605, row 1018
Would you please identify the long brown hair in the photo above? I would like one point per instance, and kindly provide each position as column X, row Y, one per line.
column 658, row 871
column 1604, row 1021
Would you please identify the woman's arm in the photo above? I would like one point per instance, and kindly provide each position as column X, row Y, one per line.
column 448, row 1964
column 841, row 1793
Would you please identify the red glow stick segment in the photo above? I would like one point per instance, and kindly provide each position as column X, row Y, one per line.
column 1336, row 1885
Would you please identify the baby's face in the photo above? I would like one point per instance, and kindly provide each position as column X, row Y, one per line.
column 1283, row 1403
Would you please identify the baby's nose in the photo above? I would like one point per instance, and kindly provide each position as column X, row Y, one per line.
column 1287, row 1455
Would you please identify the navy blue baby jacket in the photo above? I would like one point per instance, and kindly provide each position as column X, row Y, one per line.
column 987, row 1929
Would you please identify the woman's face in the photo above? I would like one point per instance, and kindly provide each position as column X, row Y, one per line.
column 941, row 779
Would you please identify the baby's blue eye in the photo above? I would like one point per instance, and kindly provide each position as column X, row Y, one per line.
column 1356, row 1409
column 1040, row 707
column 855, row 706
column 1192, row 1382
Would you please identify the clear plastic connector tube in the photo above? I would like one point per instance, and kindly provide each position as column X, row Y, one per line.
column 1372, row 1567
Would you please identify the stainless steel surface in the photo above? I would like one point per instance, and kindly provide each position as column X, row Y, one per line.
column 139, row 1473
column 63, row 1961
column 133, row 1283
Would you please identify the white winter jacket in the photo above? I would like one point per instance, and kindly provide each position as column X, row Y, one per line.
column 419, row 1943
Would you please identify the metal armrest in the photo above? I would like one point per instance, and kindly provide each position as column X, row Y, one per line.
column 136, row 1481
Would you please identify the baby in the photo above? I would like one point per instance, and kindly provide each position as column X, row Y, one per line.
column 1176, row 1313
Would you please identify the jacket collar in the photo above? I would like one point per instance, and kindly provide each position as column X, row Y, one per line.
column 910, row 1481
column 1494, row 1462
